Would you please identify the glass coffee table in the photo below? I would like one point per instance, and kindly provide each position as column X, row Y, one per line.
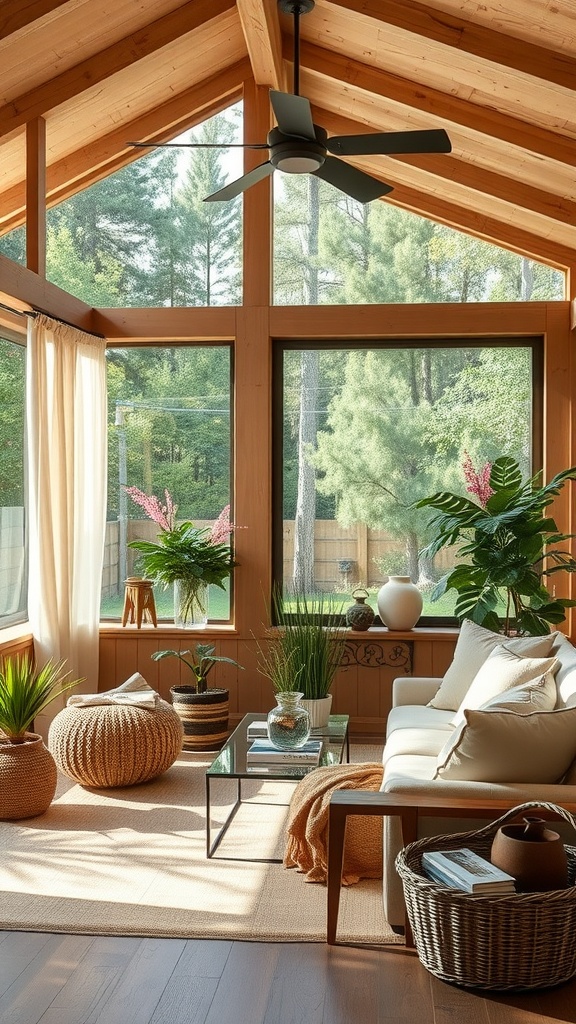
column 231, row 764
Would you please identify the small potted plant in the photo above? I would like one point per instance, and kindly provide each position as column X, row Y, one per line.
column 27, row 768
column 203, row 711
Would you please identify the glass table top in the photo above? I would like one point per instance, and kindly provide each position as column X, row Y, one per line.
column 231, row 761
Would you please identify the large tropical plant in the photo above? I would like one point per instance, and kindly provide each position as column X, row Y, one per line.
column 507, row 548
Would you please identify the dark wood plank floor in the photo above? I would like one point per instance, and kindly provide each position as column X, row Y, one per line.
column 75, row 979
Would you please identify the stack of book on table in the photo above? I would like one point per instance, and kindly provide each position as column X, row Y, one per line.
column 263, row 752
column 464, row 869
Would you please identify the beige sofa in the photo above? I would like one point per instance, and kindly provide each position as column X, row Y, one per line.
column 473, row 735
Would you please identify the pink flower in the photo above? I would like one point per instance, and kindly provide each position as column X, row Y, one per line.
column 478, row 482
column 220, row 532
column 164, row 515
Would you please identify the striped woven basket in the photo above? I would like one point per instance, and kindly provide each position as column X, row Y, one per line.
column 516, row 942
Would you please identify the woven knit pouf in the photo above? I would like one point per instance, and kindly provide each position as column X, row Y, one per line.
column 115, row 744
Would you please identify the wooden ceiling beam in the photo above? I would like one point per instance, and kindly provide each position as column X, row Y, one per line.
column 261, row 28
column 90, row 163
column 14, row 15
column 448, row 109
column 479, row 41
column 470, row 176
column 191, row 16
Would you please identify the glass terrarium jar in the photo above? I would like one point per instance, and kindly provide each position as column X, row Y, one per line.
column 288, row 722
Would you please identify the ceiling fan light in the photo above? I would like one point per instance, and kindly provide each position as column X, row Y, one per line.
column 300, row 164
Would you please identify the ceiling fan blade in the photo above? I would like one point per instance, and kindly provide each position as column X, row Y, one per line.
column 241, row 184
column 434, row 140
column 293, row 114
column 350, row 180
column 198, row 145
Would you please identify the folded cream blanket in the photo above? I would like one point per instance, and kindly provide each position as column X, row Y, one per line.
column 307, row 846
column 135, row 692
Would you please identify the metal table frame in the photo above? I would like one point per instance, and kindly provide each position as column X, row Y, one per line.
column 336, row 747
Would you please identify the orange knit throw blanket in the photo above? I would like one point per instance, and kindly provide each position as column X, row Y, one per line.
column 307, row 846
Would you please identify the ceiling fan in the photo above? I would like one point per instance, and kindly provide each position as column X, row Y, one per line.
column 298, row 146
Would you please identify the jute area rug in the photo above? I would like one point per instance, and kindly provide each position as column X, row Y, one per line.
column 133, row 862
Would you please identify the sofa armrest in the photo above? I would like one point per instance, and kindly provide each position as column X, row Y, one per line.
column 413, row 690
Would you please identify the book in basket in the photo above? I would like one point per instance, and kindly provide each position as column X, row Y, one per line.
column 262, row 751
column 464, row 869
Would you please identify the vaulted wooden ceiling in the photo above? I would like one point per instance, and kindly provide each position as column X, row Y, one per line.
column 498, row 75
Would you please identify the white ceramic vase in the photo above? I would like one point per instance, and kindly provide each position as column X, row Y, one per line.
column 399, row 603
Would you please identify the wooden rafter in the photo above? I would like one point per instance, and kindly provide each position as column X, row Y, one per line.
column 447, row 109
column 484, row 43
column 14, row 15
column 84, row 167
column 261, row 28
column 120, row 55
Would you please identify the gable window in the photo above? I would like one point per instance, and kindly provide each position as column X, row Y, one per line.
column 169, row 429
column 329, row 248
column 362, row 431
column 13, row 561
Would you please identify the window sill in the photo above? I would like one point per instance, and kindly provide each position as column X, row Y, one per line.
column 165, row 629
column 14, row 634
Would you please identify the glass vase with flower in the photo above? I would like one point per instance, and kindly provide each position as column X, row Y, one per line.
column 186, row 557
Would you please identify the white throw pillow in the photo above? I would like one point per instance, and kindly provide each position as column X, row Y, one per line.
column 503, row 670
column 535, row 695
column 473, row 646
column 501, row 746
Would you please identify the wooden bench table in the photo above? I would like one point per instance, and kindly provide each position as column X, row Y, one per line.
column 410, row 809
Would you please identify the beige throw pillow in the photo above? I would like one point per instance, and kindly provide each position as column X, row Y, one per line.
column 535, row 695
column 503, row 670
column 472, row 648
column 501, row 746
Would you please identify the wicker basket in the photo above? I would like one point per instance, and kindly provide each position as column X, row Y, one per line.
column 516, row 942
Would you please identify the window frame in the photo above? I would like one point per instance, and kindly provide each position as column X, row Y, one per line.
column 534, row 342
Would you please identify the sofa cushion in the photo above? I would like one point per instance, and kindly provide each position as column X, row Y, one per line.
column 420, row 742
column 408, row 766
column 501, row 746
column 473, row 646
column 566, row 674
column 503, row 670
column 418, row 716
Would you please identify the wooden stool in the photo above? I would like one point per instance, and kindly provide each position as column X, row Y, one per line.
column 138, row 602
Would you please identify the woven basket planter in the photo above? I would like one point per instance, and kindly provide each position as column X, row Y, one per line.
column 204, row 716
column 514, row 942
column 106, row 745
column 27, row 778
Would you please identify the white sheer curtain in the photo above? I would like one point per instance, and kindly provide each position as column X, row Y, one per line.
column 66, row 426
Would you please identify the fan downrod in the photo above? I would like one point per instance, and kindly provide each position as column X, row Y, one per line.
column 296, row 6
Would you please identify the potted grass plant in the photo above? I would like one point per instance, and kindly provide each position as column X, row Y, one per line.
column 202, row 711
column 305, row 651
column 27, row 769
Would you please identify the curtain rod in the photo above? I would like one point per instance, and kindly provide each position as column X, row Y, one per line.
column 35, row 312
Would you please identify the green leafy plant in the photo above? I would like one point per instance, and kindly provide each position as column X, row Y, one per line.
column 190, row 555
column 306, row 649
column 201, row 661
column 25, row 691
column 508, row 545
